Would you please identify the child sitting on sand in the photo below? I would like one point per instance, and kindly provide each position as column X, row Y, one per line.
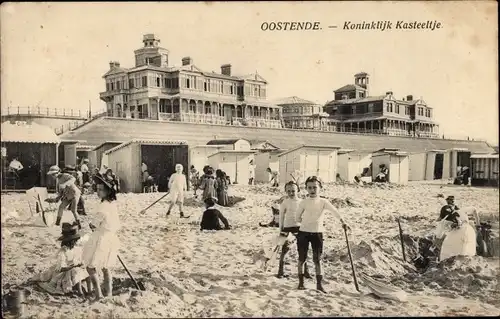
column 101, row 251
column 68, row 272
column 211, row 217
column 276, row 213
column 177, row 186
column 311, row 215
column 288, row 224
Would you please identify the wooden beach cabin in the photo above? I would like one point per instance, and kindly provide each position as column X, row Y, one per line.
column 309, row 160
column 100, row 149
column 236, row 164
column 484, row 169
column 160, row 156
column 237, row 144
column 264, row 160
column 346, row 168
column 35, row 146
column 198, row 155
column 395, row 160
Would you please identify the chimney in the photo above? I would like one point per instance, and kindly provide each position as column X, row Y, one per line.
column 225, row 69
column 187, row 61
column 409, row 97
column 388, row 93
column 117, row 64
column 112, row 65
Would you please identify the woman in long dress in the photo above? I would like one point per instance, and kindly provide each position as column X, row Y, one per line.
column 222, row 197
column 101, row 251
column 460, row 237
column 209, row 185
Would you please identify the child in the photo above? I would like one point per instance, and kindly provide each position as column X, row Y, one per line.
column 69, row 194
column 288, row 223
column 194, row 178
column 177, row 186
column 68, row 272
column 209, row 184
column 251, row 173
column 310, row 215
column 211, row 217
column 101, row 251
column 222, row 198
column 274, row 177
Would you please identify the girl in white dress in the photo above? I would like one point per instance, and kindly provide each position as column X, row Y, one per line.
column 68, row 271
column 101, row 251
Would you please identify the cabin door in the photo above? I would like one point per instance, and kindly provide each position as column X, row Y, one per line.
column 438, row 166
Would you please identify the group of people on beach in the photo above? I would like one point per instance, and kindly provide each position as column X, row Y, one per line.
column 81, row 257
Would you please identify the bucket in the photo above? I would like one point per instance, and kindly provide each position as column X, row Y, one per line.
column 14, row 301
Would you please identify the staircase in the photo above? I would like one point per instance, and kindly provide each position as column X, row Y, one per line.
column 76, row 124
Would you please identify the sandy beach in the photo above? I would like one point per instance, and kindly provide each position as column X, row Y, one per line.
column 189, row 273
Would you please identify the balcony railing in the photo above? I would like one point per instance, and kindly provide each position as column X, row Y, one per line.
column 43, row 111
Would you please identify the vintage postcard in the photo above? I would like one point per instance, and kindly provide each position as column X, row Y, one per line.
column 242, row 159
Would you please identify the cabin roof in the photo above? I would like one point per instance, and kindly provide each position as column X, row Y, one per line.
column 22, row 132
column 146, row 142
column 309, row 146
column 224, row 142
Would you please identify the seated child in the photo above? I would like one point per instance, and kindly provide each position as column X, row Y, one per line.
column 68, row 272
column 211, row 217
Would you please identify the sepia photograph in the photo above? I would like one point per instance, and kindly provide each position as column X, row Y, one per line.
column 249, row 159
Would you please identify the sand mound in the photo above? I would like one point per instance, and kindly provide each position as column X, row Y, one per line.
column 346, row 202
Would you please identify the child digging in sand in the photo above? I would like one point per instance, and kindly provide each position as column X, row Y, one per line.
column 68, row 272
column 101, row 251
column 288, row 224
column 211, row 217
column 310, row 215
column 177, row 186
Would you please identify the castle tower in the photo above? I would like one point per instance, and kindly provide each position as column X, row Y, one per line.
column 151, row 53
column 362, row 79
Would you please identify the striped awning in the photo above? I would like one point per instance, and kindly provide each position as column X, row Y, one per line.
column 22, row 132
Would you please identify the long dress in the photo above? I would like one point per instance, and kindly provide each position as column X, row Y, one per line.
column 58, row 282
column 209, row 187
column 101, row 250
column 222, row 197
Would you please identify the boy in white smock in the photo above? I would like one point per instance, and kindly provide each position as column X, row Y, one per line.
column 177, row 186
column 311, row 215
column 288, row 224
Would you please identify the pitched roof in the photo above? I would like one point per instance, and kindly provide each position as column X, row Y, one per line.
column 253, row 77
column 349, row 87
column 356, row 100
column 107, row 142
column 146, row 142
column 115, row 71
column 28, row 133
column 293, row 100
column 328, row 147
column 361, row 74
column 223, row 142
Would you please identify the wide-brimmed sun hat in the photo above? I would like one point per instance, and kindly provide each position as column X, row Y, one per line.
column 53, row 170
column 450, row 197
column 85, row 160
column 108, row 181
column 69, row 232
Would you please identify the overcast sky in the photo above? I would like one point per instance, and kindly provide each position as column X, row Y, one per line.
column 55, row 54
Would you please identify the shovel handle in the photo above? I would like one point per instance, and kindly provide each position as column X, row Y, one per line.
column 129, row 274
column 401, row 239
column 156, row 201
column 350, row 258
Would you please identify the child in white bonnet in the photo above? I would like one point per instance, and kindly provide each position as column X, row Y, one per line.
column 177, row 186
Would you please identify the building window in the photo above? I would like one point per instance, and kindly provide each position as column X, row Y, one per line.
column 192, row 108
column 208, row 108
column 420, row 111
column 144, row 81
column 397, row 108
column 221, row 87
column 188, row 84
column 158, row 81
column 407, row 110
column 118, row 85
column 175, row 83
column 107, row 87
column 205, row 86
column 130, row 83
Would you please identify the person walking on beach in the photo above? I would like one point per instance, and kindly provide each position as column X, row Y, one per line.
column 194, row 177
column 101, row 250
column 311, row 215
column 288, row 224
column 251, row 173
column 177, row 185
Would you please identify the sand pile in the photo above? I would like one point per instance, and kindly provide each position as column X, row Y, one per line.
column 190, row 273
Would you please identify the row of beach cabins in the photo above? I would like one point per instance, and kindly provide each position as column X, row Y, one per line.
column 234, row 156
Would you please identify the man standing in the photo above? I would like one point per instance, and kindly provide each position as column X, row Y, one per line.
column 274, row 177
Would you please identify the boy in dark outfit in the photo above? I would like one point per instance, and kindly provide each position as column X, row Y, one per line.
column 449, row 211
column 211, row 216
